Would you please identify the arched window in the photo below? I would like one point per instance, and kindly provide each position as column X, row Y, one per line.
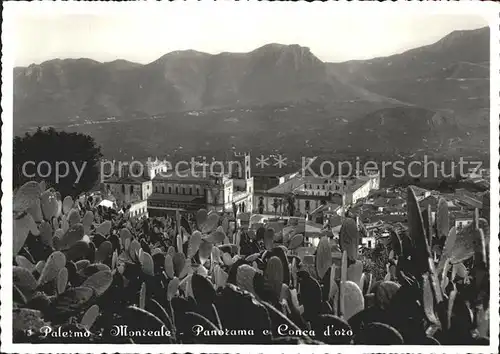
column 131, row 189
column 123, row 188
column 169, row 190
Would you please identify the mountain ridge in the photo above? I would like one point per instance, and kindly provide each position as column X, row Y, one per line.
column 274, row 95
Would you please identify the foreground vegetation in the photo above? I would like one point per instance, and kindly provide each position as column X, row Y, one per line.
column 78, row 267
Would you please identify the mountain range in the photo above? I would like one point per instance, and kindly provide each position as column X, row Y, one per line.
column 278, row 93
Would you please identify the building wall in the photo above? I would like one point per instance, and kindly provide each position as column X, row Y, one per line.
column 302, row 205
column 362, row 191
column 250, row 191
column 139, row 209
column 322, row 189
column 127, row 193
column 369, row 241
column 147, row 190
column 228, row 194
column 461, row 223
column 248, row 167
column 154, row 168
column 239, row 184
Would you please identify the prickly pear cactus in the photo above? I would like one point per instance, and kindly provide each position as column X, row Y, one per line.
column 354, row 300
column 273, row 275
column 349, row 239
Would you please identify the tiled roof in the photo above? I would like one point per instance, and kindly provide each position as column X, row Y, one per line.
column 239, row 195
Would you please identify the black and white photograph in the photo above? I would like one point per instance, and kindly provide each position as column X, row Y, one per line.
column 262, row 176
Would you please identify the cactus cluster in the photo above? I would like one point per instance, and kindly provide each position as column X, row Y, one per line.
column 78, row 265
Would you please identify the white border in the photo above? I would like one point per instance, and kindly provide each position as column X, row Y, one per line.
column 487, row 10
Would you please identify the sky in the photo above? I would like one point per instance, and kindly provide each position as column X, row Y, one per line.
column 144, row 37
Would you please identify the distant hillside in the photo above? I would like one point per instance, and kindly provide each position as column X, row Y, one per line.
column 471, row 46
column 75, row 90
column 451, row 75
column 407, row 129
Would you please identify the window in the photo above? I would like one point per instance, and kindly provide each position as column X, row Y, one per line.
column 369, row 243
column 190, row 190
column 317, row 187
column 183, row 190
column 169, row 190
column 131, row 189
column 163, row 189
column 123, row 188
column 176, row 190
column 323, row 187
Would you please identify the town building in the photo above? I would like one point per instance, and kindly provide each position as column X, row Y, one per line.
column 228, row 186
column 138, row 209
column 309, row 194
column 462, row 221
column 130, row 181
column 221, row 186
column 127, row 189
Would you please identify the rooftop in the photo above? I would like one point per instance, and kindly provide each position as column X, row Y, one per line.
column 189, row 175
column 469, row 201
column 289, row 186
column 239, row 195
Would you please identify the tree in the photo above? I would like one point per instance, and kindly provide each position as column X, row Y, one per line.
column 261, row 205
column 71, row 158
column 290, row 199
column 275, row 206
column 235, row 210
